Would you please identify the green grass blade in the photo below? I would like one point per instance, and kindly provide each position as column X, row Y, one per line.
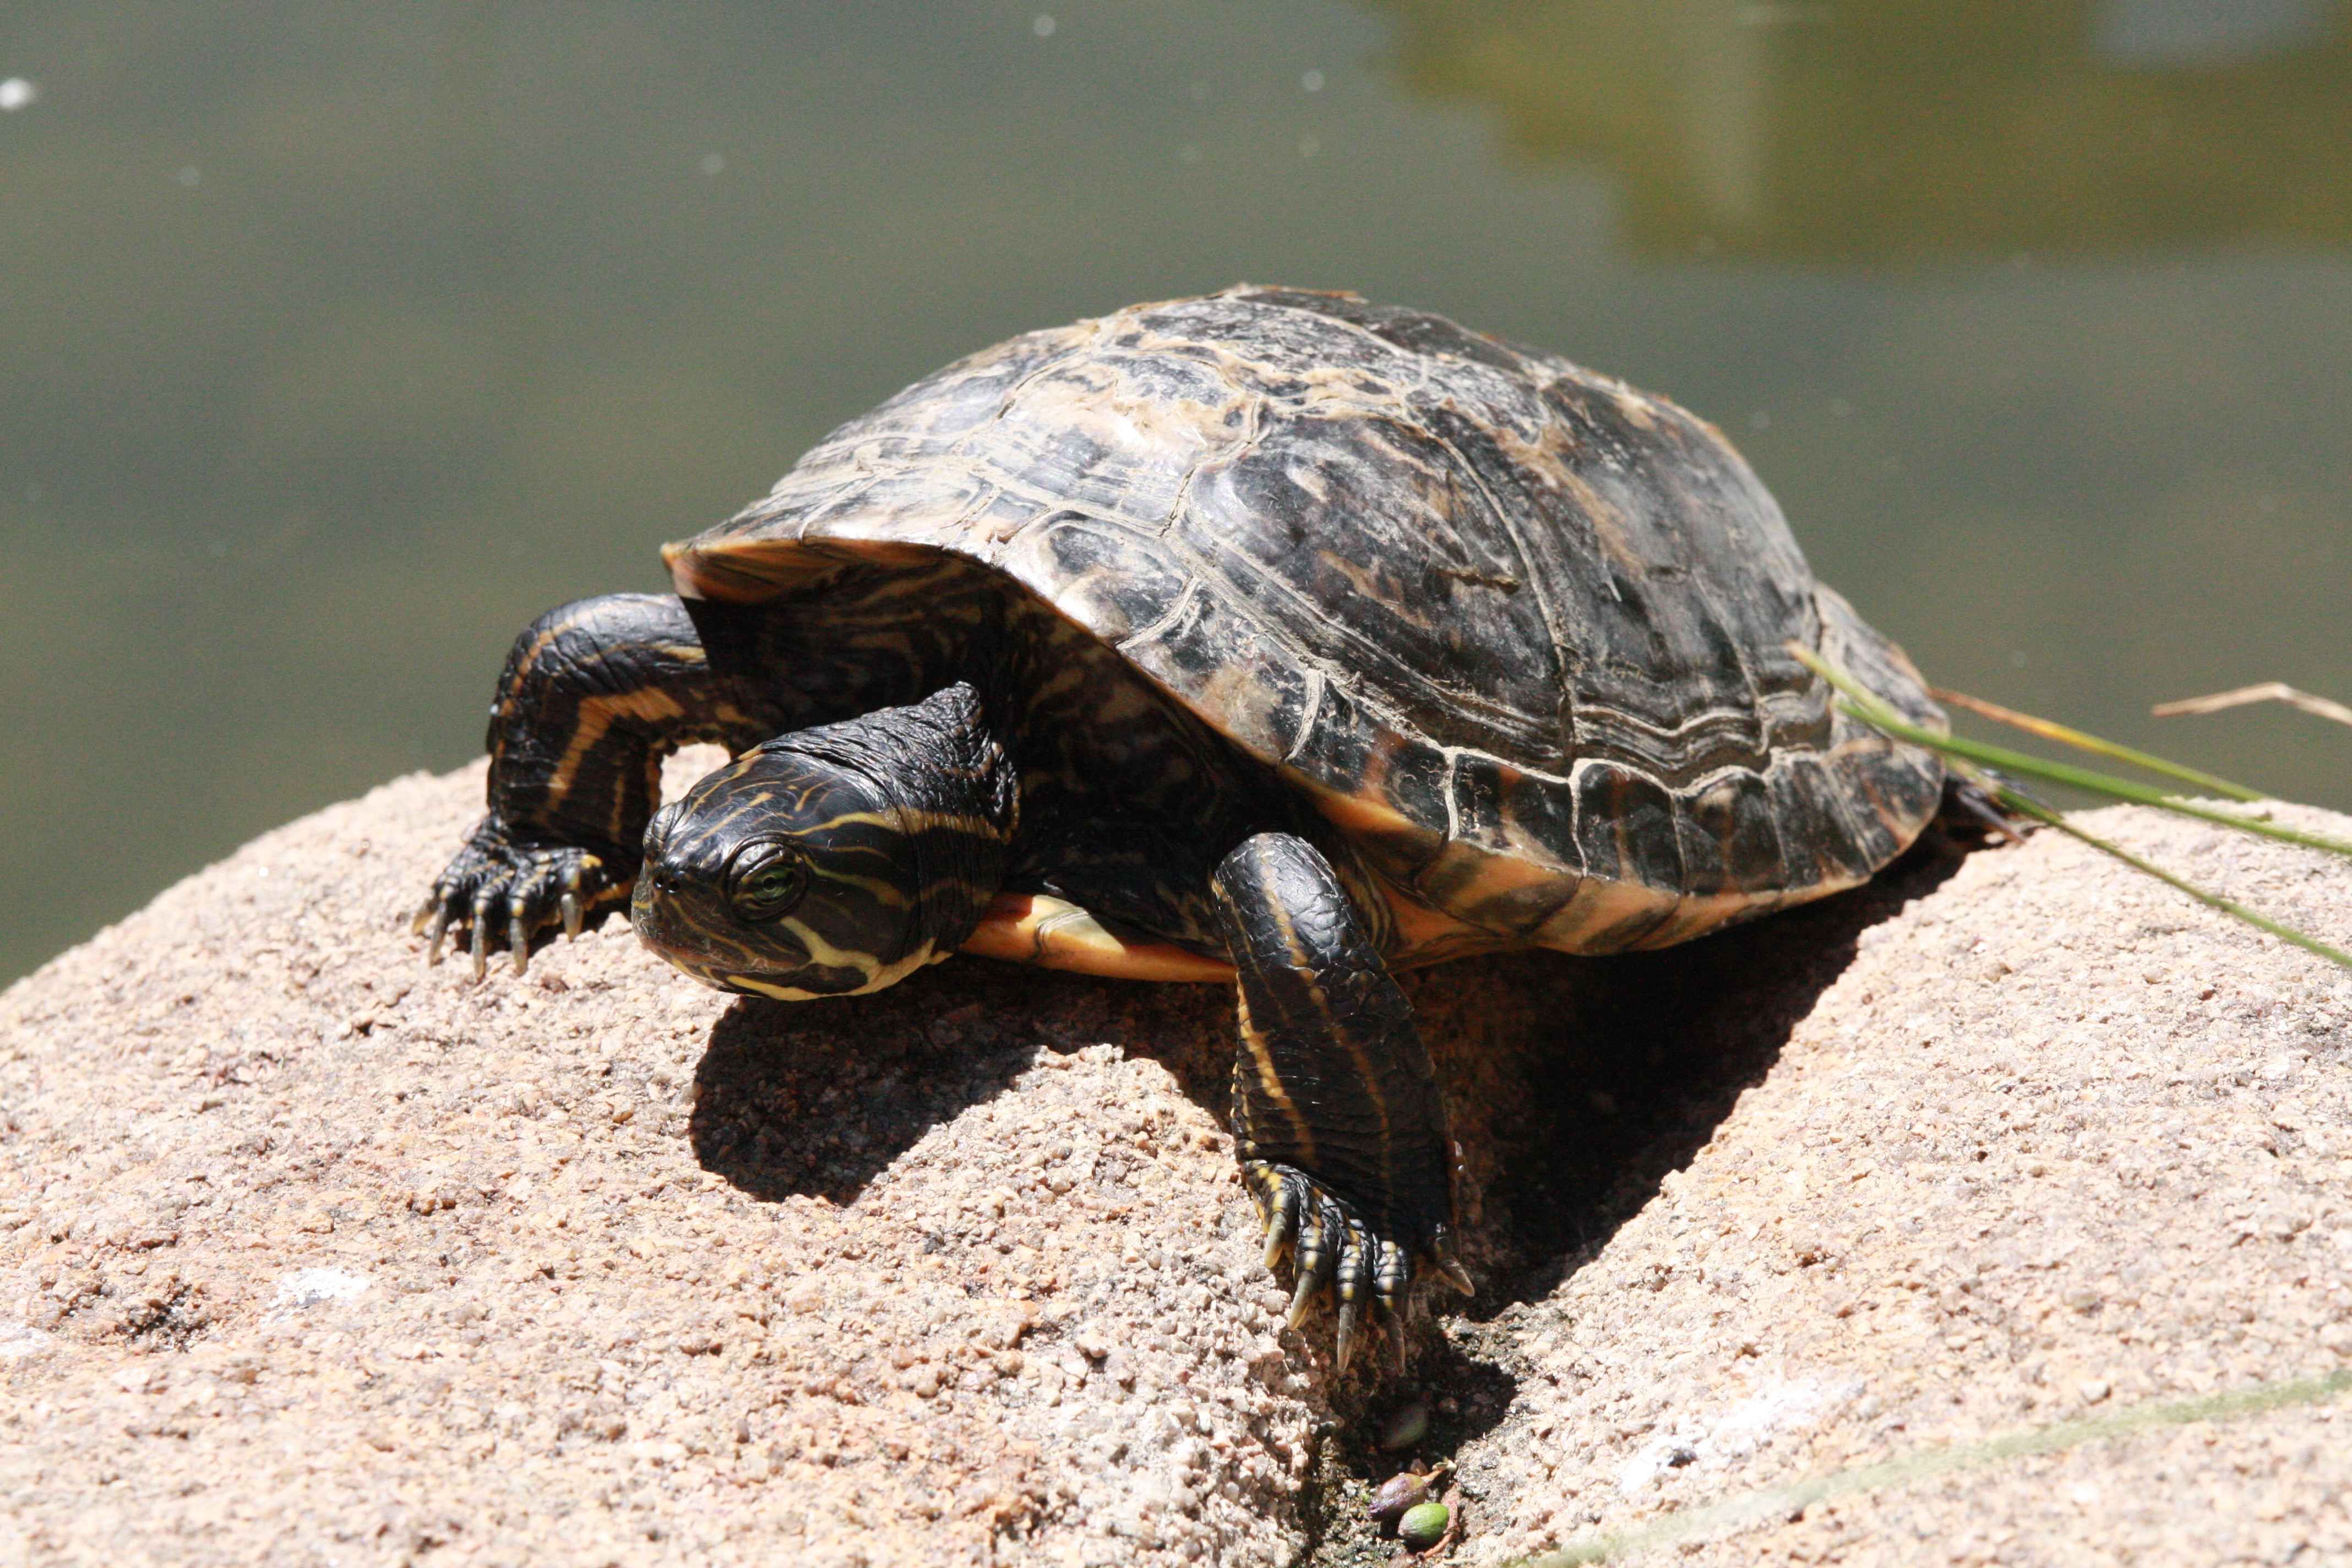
column 2066, row 735
column 1858, row 700
column 2025, row 765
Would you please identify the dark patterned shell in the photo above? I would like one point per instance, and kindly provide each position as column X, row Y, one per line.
column 1521, row 629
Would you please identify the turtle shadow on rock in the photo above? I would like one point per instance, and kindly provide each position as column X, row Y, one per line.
column 1573, row 1084
column 1644, row 1056
column 817, row 1098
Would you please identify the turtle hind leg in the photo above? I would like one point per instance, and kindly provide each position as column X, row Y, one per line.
column 1341, row 1130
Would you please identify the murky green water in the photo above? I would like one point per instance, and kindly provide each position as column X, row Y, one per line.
column 340, row 340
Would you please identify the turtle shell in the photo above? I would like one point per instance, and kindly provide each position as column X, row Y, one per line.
column 1522, row 631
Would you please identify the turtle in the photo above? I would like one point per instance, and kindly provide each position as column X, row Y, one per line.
column 1272, row 637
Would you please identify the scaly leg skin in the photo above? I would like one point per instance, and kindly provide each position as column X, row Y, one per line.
column 1341, row 1132
column 593, row 696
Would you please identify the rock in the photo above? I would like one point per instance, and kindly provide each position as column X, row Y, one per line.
column 308, row 1247
column 312, row 1248
column 2056, row 1136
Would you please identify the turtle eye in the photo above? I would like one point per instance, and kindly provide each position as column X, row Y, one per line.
column 765, row 879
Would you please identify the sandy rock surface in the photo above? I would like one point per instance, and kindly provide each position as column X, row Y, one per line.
column 2056, row 1142
column 313, row 1253
column 316, row 1249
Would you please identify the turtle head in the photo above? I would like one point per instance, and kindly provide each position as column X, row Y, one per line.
column 828, row 862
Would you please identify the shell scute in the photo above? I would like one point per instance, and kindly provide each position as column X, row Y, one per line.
column 1110, row 586
column 1732, row 837
column 1821, row 830
column 1626, row 819
column 1414, row 331
column 1355, row 544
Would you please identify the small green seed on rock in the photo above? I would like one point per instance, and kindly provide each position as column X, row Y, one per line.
column 1423, row 1525
column 1409, row 1425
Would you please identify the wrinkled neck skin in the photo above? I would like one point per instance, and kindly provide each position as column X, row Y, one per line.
column 956, row 797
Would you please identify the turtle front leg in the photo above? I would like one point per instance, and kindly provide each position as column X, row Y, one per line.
column 593, row 696
column 1341, row 1133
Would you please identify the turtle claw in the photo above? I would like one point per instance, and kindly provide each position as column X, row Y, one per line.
column 1335, row 1249
column 1449, row 1268
column 499, row 896
column 1302, row 1301
column 1281, row 1222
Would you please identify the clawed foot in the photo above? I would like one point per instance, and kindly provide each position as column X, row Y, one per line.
column 1335, row 1246
column 501, row 890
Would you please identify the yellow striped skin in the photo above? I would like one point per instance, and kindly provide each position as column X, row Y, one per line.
column 897, row 829
column 1340, row 1129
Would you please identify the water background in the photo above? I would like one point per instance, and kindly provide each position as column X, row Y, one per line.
column 339, row 340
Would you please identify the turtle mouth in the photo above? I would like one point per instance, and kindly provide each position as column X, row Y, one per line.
column 772, row 960
column 809, row 983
